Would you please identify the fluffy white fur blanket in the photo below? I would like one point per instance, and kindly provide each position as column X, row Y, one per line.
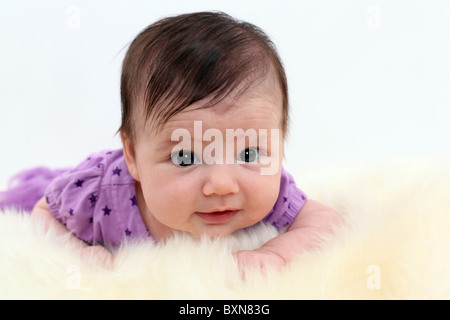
column 394, row 245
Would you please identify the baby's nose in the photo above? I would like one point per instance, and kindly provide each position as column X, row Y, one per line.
column 221, row 180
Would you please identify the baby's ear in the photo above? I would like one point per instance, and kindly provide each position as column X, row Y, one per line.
column 128, row 153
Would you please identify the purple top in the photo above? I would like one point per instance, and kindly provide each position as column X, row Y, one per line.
column 97, row 201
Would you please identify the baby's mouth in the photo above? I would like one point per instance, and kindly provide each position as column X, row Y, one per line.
column 217, row 217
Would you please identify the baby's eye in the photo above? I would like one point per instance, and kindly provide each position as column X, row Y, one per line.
column 184, row 158
column 249, row 155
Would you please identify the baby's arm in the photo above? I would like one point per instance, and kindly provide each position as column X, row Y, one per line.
column 41, row 211
column 313, row 221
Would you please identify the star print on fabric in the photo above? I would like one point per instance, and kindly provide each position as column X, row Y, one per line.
column 284, row 199
column 127, row 232
column 93, row 198
column 106, row 211
column 303, row 197
column 79, row 183
column 133, row 201
column 71, row 212
column 117, row 171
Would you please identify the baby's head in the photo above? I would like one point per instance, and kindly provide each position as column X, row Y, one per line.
column 181, row 60
column 194, row 78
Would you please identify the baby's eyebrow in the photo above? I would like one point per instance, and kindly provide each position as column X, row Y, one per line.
column 166, row 144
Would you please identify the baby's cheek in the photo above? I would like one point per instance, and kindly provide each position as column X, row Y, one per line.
column 176, row 198
column 270, row 199
column 264, row 197
column 273, row 189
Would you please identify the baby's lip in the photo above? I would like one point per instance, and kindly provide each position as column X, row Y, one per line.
column 217, row 216
column 218, row 211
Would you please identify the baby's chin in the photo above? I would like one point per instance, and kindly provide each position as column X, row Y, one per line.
column 213, row 233
column 201, row 227
column 218, row 230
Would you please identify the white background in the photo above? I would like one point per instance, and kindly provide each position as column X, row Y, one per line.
column 368, row 79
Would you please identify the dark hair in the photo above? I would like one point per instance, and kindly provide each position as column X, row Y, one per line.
column 180, row 60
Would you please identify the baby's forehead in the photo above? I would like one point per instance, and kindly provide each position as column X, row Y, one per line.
column 242, row 114
column 254, row 104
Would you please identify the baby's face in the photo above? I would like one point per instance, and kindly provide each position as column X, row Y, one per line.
column 192, row 178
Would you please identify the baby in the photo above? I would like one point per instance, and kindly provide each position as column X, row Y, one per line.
column 187, row 80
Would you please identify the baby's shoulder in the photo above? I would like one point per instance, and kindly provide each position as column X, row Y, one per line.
column 107, row 165
column 97, row 171
column 88, row 197
column 101, row 159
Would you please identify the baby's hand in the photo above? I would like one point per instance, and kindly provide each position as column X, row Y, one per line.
column 96, row 254
column 261, row 259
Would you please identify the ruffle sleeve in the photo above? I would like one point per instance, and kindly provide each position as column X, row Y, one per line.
column 289, row 202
